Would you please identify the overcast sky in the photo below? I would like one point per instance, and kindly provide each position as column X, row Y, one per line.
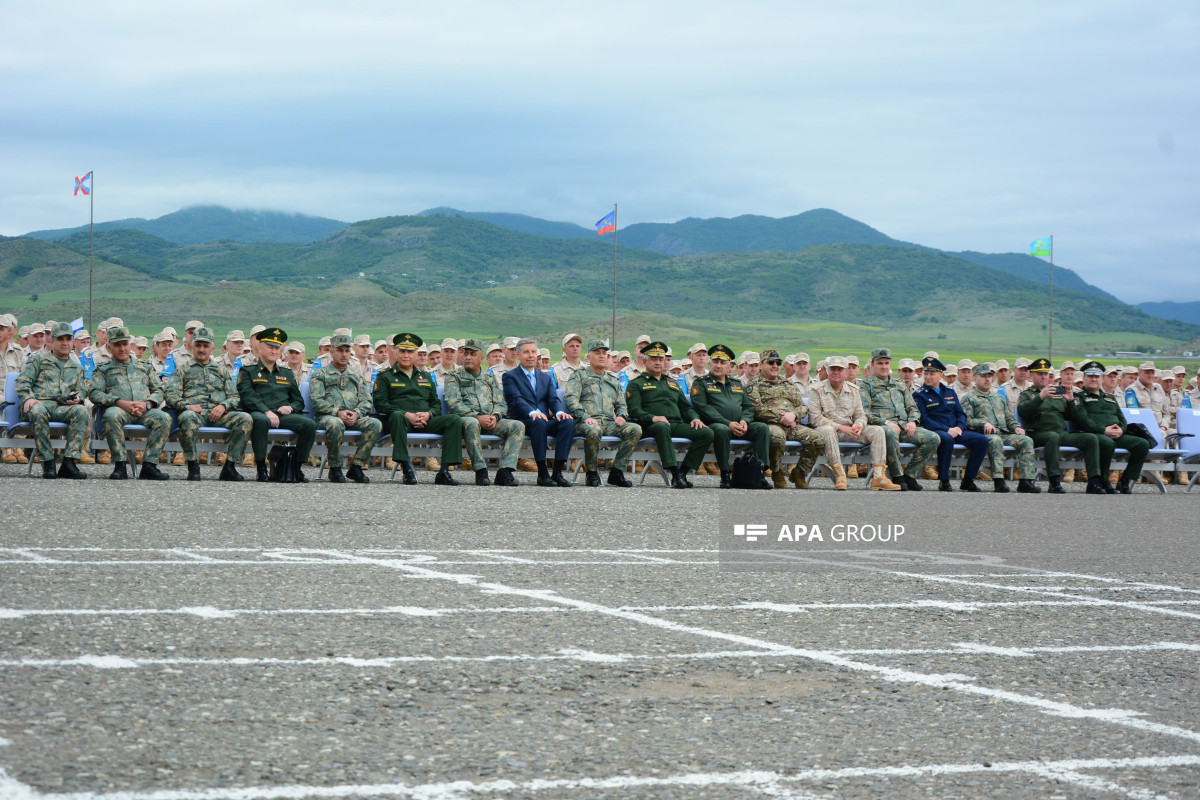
column 955, row 125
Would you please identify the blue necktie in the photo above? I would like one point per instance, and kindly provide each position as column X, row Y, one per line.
column 533, row 382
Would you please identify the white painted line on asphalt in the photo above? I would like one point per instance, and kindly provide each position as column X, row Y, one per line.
column 207, row 612
column 986, row 649
column 1096, row 784
column 190, row 554
column 25, row 556
column 1069, row 770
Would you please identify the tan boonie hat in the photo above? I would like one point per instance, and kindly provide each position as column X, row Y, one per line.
column 571, row 336
column 1146, row 365
column 295, row 346
column 1002, row 364
column 802, row 357
column 1021, row 363
column 493, row 347
column 163, row 336
column 235, row 336
column 82, row 334
column 363, row 338
column 449, row 344
column 193, row 324
column 836, row 361
column 510, row 342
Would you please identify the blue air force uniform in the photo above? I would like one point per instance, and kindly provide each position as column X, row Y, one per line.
column 941, row 411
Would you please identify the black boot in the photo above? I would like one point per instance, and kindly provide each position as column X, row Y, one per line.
column 726, row 479
column 444, row 478
column 1056, row 485
column 356, row 474
column 558, row 477
column 1026, row 486
column 118, row 473
column 69, row 470
column 999, row 486
column 49, row 472
column 481, row 478
column 617, row 478
column 194, row 470
column 150, row 472
column 593, row 478
column 263, row 474
column 1124, row 486
column 336, row 476
column 763, row 481
column 968, row 485
column 299, row 475
column 679, row 478
column 683, row 471
column 228, row 472
column 410, row 475
column 1107, row 487
column 944, row 486
column 544, row 478
column 1094, row 486
column 505, row 477
column 910, row 484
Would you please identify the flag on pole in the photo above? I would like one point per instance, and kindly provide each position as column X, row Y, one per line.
column 608, row 223
column 79, row 184
column 77, row 325
column 1041, row 247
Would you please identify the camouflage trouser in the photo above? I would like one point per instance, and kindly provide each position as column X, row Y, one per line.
column 811, row 441
column 629, row 434
column 1019, row 442
column 871, row 434
column 927, row 445
column 47, row 411
column 510, row 431
column 237, row 421
column 334, row 428
column 155, row 419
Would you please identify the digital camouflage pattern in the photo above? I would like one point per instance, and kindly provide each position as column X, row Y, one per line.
column 470, row 395
column 331, row 390
column 994, row 409
column 51, row 380
column 134, row 381
column 599, row 397
column 771, row 400
column 891, row 401
column 208, row 386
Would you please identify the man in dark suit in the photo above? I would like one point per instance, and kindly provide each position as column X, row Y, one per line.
column 533, row 400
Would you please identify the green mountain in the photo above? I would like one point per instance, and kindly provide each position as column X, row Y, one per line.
column 212, row 223
column 517, row 222
column 1184, row 312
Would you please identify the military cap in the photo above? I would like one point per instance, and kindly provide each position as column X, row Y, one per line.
column 752, row 357
column 789, row 359
column 50, row 323
column 543, row 352
column 340, row 340
column 345, row 331
column 820, row 365
column 1129, row 371
column 1146, row 365
column 272, row 336
column 24, row 331
column 363, row 338
column 8, row 320
column 1113, row 370
column 767, row 355
column 851, row 359
column 175, row 334
column 880, row 352
column 1067, row 365
column 111, row 322
column 407, row 341
column 493, row 347
column 1092, row 368
column 986, row 368
column 253, row 330
column 163, row 336
column 597, row 344
column 1179, row 370
column 1166, row 375
column 82, row 334
column 931, row 354
column 449, row 344
column 1040, row 365
column 235, row 336
column 64, row 329
column 325, row 341
column 1021, row 362
column 835, row 361
column 510, row 342
column 931, row 363
column 907, row 363
column 116, row 334
column 296, row 346
column 686, row 363
column 139, row 341
column 571, row 336
column 1002, row 363
column 422, row 347
column 696, row 348
column 802, row 357
column 966, row 363
column 379, row 344
column 202, row 334
column 36, row 327
column 653, row 349
column 193, row 324
column 720, row 351
column 471, row 344
column 643, row 339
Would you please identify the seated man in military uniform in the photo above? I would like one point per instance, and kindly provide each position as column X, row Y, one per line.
column 835, row 408
column 657, row 403
column 1045, row 409
column 942, row 413
column 406, row 400
column 50, row 388
column 1098, row 412
column 780, row 404
column 889, row 403
column 341, row 400
column 988, row 413
column 270, row 393
column 594, row 398
column 724, row 404
column 130, row 393
column 475, row 395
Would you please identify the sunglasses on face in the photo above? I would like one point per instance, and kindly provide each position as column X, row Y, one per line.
column 775, row 361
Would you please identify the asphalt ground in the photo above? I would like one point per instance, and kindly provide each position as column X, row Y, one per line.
column 176, row 641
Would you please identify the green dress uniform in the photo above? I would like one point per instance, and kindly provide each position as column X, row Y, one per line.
column 332, row 390
column 1096, row 411
column 136, row 381
column 720, row 402
column 1046, row 420
column 599, row 397
column 648, row 397
column 262, row 390
column 397, row 393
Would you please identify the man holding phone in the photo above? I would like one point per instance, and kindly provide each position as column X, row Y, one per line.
column 50, row 389
column 1045, row 410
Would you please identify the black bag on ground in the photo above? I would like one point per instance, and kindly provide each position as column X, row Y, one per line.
column 1142, row 432
column 747, row 472
column 282, row 463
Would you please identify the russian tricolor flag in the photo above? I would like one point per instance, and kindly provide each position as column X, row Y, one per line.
column 609, row 223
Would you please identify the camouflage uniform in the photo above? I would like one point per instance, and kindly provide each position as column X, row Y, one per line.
column 599, row 397
column 134, row 380
column 470, row 395
column 771, row 400
column 51, row 380
column 890, row 401
column 208, row 386
column 993, row 408
column 332, row 390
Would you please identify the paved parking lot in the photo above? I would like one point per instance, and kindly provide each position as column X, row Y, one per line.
column 177, row 641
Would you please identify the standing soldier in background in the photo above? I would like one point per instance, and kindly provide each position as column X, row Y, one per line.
column 724, row 404
column 571, row 363
column 779, row 404
column 341, row 401
column 130, row 393
column 293, row 354
column 476, row 397
column 988, row 413
column 50, row 389
column 890, row 403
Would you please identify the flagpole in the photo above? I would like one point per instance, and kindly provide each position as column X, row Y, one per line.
column 91, row 243
column 1050, row 355
column 613, row 341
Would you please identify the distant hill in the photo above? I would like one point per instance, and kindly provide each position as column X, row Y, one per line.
column 1184, row 312
column 198, row 224
column 517, row 222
